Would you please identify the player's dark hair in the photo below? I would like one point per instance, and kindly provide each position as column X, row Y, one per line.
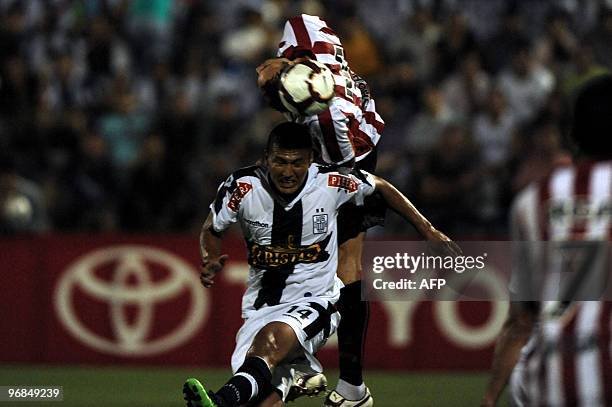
column 592, row 119
column 290, row 136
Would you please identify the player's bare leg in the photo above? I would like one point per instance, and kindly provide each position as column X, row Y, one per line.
column 274, row 343
column 353, row 325
column 349, row 259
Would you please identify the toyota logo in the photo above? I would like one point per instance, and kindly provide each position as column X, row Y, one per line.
column 131, row 285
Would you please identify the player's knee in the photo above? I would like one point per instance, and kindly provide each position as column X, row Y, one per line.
column 273, row 343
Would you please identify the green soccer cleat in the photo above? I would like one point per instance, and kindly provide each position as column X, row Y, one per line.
column 196, row 396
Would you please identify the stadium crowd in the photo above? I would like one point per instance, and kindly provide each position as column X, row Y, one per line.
column 126, row 115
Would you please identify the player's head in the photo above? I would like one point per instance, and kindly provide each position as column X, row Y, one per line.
column 288, row 156
column 592, row 123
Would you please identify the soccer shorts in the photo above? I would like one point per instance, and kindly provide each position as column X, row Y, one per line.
column 353, row 219
column 518, row 386
column 313, row 322
column 519, row 383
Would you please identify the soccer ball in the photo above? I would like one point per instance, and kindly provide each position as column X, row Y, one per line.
column 306, row 88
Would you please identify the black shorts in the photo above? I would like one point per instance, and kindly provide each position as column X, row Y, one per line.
column 353, row 219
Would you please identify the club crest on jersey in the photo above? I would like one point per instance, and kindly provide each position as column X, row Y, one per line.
column 239, row 193
column 270, row 257
column 342, row 182
column 319, row 223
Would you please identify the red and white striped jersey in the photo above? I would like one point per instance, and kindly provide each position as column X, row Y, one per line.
column 351, row 127
column 572, row 203
column 568, row 359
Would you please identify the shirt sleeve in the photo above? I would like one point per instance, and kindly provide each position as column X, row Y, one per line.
column 226, row 206
column 353, row 187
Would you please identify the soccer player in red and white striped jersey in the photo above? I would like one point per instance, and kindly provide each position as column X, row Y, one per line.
column 347, row 134
column 350, row 129
column 567, row 360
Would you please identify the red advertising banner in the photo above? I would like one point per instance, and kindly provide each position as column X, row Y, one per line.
column 138, row 300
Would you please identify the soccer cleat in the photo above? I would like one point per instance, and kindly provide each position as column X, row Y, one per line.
column 306, row 384
column 334, row 399
column 195, row 395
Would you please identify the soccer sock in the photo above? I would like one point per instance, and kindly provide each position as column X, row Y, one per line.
column 350, row 391
column 252, row 376
column 351, row 333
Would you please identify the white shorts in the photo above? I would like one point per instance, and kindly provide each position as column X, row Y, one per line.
column 313, row 322
column 519, row 384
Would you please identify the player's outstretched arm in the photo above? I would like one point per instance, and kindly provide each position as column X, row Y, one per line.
column 514, row 335
column 400, row 204
column 210, row 253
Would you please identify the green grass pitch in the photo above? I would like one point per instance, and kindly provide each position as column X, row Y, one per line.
column 159, row 387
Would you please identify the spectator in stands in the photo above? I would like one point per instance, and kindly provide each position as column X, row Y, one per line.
column 467, row 88
column 456, row 41
column 449, row 184
column 510, row 32
column 125, row 126
column 155, row 176
column 493, row 130
column 525, row 84
column 415, row 42
column 425, row 130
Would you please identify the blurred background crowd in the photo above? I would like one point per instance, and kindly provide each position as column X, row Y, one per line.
column 121, row 115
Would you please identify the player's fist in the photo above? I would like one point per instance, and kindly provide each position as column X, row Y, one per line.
column 210, row 267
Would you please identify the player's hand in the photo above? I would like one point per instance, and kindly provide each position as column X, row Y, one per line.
column 270, row 69
column 210, row 267
column 442, row 243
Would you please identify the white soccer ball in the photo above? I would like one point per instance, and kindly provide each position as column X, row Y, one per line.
column 306, row 88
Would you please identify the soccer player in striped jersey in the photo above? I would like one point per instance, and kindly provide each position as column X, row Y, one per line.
column 288, row 212
column 346, row 135
column 561, row 345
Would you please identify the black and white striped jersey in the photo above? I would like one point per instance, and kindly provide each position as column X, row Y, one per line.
column 292, row 246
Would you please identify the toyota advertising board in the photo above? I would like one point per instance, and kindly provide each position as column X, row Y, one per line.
column 138, row 300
